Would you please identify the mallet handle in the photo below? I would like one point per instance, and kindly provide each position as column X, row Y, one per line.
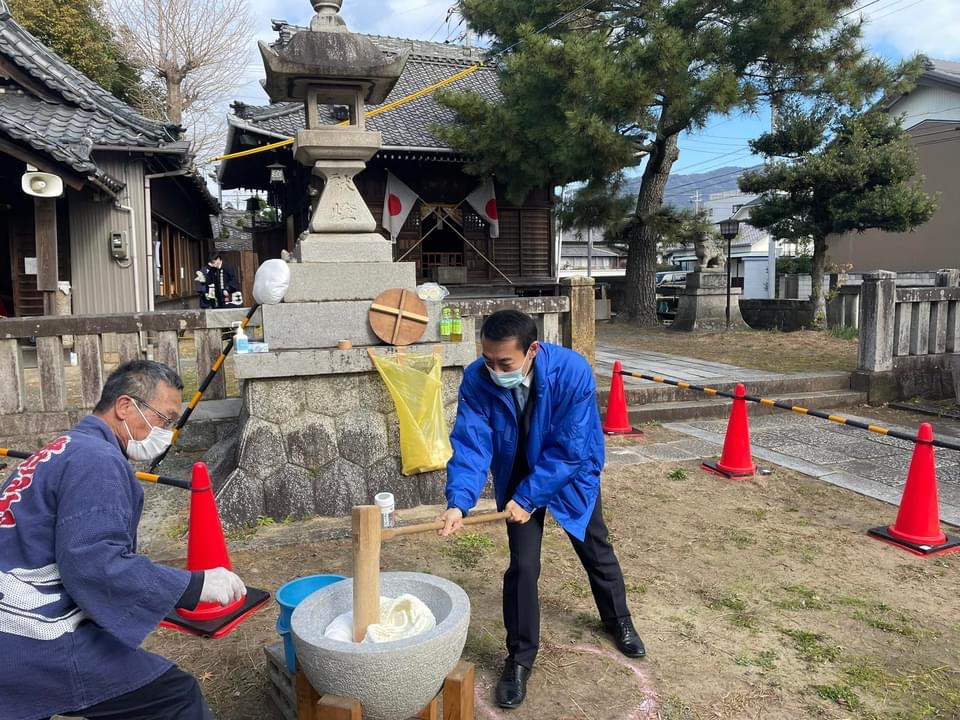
column 366, row 569
column 390, row 533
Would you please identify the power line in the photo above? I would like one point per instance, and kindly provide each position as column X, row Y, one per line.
column 864, row 6
column 706, row 162
column 738, row 171
column 894, row 12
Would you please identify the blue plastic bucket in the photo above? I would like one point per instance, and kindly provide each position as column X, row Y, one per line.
column 289, row 596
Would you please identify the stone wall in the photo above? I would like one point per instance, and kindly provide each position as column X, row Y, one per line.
column 924, row 376
column 786, row 315
column 907, row 337
column 318, row 446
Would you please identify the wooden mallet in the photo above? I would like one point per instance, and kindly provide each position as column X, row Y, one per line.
column 368, row 534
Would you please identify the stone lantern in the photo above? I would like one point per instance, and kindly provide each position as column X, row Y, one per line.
column 318, row 431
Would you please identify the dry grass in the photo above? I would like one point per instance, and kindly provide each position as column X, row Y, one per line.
column 801, row 351
column 757, row 599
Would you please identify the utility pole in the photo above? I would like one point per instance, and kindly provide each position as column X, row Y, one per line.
column 589, row 252
column 696, row 201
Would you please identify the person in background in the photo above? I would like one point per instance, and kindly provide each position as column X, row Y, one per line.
column 76, row 600
column 217, row 284
column 528, row 413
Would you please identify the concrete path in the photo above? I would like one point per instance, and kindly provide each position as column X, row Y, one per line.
column 857, row 460
column 674, row 367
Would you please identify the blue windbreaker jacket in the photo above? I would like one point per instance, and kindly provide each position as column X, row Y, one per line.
column 76, row 600
column 565, row 450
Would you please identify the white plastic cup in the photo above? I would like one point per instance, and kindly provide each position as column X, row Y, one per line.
column 388, row 510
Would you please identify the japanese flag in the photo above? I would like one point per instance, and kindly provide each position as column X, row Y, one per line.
column 397, row 204
column 484, row 201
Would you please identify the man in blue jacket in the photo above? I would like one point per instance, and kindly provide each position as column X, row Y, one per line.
column 528, row 413
column 76, row 601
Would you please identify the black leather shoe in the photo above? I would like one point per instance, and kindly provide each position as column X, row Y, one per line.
column 626, row 638
column 512, row 688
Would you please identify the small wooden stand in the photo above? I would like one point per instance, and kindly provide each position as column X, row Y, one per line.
column 456, row 699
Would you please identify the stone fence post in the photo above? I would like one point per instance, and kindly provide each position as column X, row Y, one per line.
column 579, row 325
column 948, row 278
column 874, row 373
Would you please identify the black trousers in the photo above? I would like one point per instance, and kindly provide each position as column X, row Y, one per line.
column 521, row 601
column 175, row 695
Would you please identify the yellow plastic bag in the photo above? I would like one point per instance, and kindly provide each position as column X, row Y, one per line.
column 414, row 384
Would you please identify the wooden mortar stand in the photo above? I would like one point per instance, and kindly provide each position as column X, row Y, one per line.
column 457, row 697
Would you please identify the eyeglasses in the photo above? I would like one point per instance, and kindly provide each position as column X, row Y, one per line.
column 167, row 422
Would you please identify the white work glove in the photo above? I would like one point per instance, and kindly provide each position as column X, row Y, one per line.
column 221, row 586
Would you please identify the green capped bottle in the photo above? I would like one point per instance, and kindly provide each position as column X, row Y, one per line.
column 456, row 326
column 446, row 324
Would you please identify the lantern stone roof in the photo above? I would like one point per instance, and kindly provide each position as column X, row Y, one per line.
column 406, row 128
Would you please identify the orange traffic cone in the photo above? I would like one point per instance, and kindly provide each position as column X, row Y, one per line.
column 206, row 550
column 618, row 420
column 917, row 528
column 736, row 460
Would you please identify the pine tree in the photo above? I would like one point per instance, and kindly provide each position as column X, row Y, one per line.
column 616, row 82
column 863, row 177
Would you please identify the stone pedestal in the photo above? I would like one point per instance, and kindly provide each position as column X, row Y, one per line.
column 703, row 304
column 580, row 326
column 318, row 431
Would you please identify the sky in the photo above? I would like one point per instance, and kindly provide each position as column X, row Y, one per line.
column 894, row 29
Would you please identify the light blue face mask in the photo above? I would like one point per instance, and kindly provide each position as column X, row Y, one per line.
column 510, row 379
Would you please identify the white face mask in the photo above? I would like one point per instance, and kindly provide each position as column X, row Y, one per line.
column 152, row 446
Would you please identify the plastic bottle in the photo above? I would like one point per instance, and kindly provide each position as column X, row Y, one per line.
column 388, row 511
column 446, row 322
column 241, row 342
column 456, row 326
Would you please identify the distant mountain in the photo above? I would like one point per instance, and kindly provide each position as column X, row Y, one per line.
column 681, row 186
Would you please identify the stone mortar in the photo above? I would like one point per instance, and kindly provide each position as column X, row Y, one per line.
column 395, row 680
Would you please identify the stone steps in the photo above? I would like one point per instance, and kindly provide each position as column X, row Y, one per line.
column 646, row 392
column 675, row 411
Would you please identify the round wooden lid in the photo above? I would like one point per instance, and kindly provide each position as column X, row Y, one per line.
column 398, row 317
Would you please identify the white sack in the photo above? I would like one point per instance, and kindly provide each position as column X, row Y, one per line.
column 271, row 282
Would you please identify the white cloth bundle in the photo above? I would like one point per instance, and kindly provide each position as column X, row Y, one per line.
column 405, row 617
column 271, row 282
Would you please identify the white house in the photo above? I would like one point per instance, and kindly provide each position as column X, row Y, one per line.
column 931, row 115
column 753, row 255
column 584, row 252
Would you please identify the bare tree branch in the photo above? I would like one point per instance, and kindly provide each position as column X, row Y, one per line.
column 193, row 49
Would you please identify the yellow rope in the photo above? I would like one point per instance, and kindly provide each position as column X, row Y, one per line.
column 423, row 92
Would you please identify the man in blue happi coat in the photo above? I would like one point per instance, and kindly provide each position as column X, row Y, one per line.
column 76, row 601
column 528, row 414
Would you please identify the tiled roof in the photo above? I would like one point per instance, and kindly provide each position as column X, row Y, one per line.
column 407, row 126
column 49, row 69
column 941, row 72
column 572, row 250
column 82, row 115
column 66, row 134
column 944, row 66
column 230, row 231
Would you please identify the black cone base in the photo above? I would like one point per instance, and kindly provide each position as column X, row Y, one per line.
column 219, row 627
